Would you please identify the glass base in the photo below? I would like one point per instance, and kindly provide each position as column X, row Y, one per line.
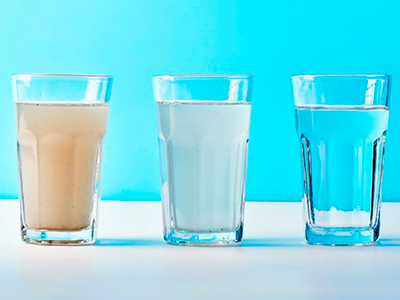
column 341, row 236
column 186, row 238
column 48, row 237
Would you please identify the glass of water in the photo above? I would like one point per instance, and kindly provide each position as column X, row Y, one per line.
column 203, row 124
column 61, row 122
column 341, row 121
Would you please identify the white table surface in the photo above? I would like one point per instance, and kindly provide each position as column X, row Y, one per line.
column 131, row 261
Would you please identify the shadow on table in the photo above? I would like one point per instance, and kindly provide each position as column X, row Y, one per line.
column 296, row 242
column 388, row 243
column 275, row 242
column 128, row 242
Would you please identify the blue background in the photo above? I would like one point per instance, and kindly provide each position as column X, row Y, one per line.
column 135, row 39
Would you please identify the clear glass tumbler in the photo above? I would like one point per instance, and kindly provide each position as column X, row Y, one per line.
column 61, row 122
column 203, row 124
column 341, row 121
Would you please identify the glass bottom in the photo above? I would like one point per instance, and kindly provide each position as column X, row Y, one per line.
column 186, row 238
column 48, row 237
column 341, row 236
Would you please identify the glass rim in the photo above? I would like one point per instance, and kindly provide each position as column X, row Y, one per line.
column 63, row 76
column 313, row 76
column 200, row 76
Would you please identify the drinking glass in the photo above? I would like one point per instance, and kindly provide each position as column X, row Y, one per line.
column 61, row 122
column 203, row 124
column 341, row 121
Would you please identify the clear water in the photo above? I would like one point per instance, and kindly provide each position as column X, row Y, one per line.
column 343, row 150
column 203, row 151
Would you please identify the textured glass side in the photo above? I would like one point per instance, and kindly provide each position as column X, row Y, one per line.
column 378, row 162
column 203, row 169
column 59, row 158
column 342, row 170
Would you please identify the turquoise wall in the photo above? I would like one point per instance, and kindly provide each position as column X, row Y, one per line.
column 134, row 40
